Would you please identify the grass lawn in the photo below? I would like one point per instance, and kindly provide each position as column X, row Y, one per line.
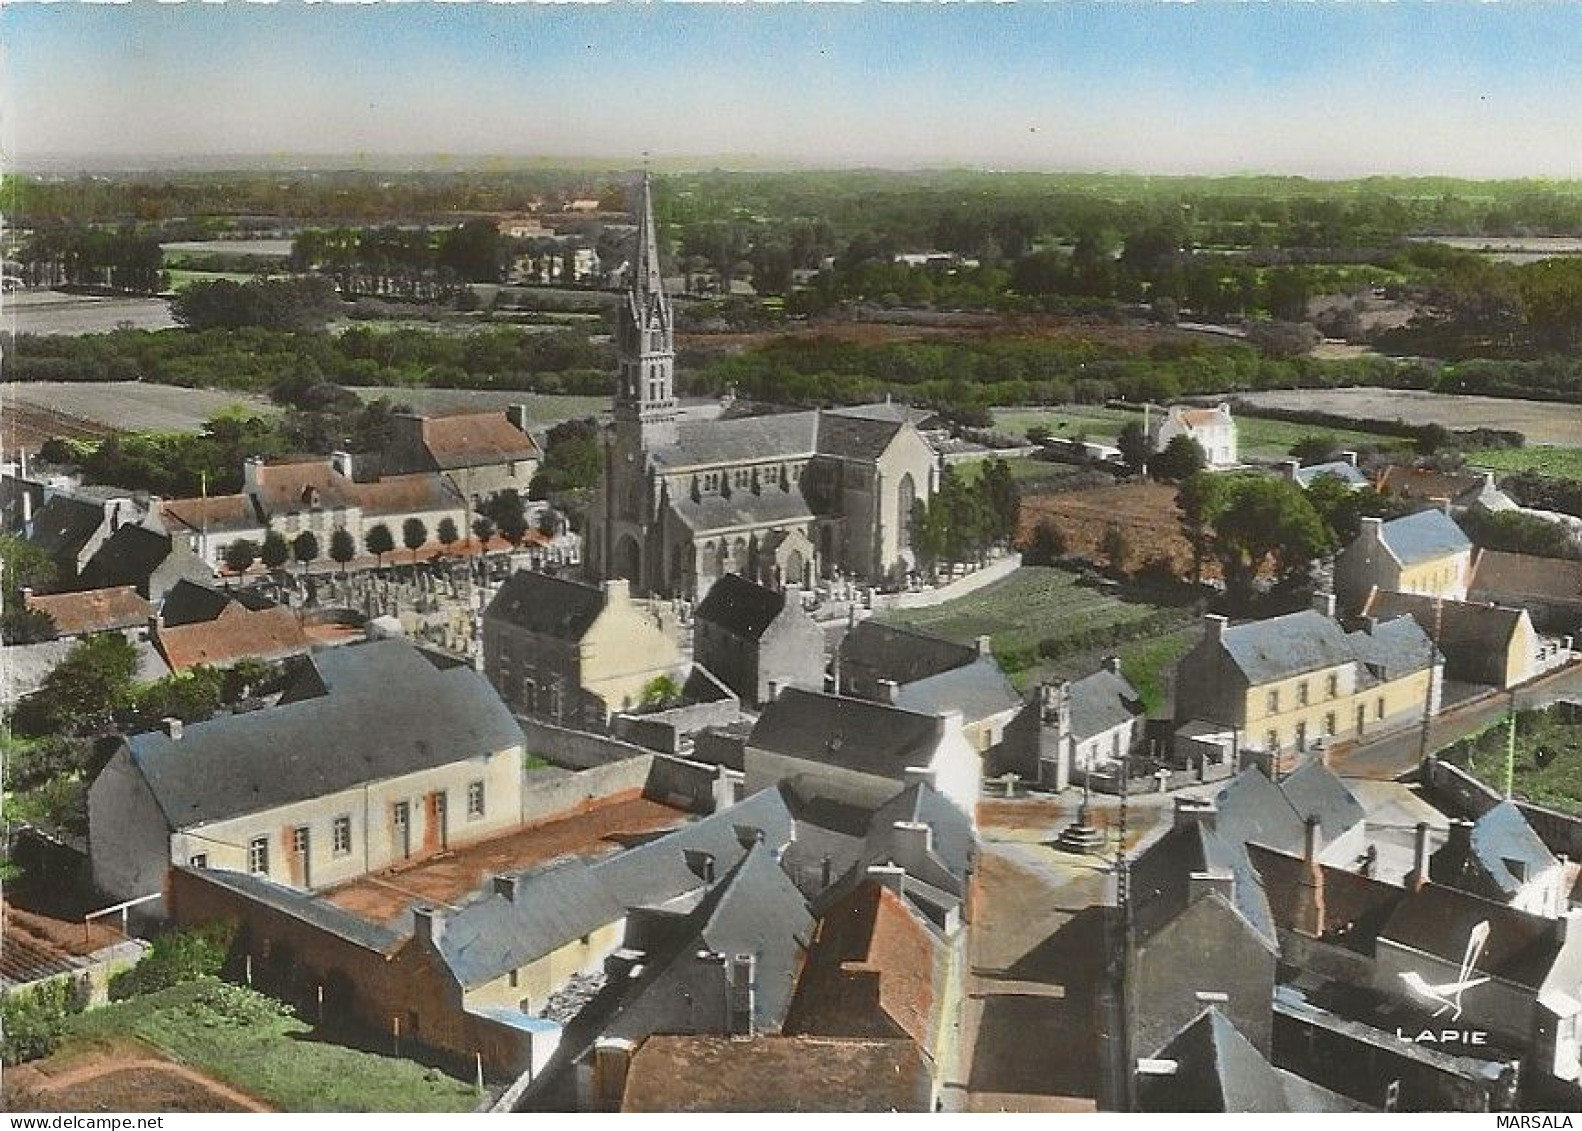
column 1259, row 439
column 1030, row 474
column 1557, row 783
column 242, row 1039
column 1033, row 603
column 1558, row 463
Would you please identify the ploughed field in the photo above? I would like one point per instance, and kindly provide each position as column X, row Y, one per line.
column 35, row 411
column 60, row 314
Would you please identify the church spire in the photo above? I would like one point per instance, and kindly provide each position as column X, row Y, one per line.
column 646, row 278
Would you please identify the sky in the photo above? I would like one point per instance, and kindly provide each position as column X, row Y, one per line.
column 1317, row 88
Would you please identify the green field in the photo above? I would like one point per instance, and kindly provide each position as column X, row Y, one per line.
column 1259, row 439
column 1150, row 664
column 1557, row 463
column 1539, row 734
column 241, row 1038
column 1029, row 473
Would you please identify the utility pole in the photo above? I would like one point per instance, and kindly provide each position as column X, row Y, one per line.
column 1510, row 748
column 1428, row 689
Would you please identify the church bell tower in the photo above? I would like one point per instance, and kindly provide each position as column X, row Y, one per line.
column 645, row 395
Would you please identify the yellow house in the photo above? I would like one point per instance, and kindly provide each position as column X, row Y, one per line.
column 1290, row 682
column 572, row 652
column 1423, row 553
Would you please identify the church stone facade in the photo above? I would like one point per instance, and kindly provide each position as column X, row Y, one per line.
column 782, row 498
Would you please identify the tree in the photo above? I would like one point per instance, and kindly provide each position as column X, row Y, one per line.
column 446, row 533
column 1047, row 544
column 240, row 555
column 483, row 529
column 1519, row 533
column 1002, row 501
column 276, row 551
column 1133, row 443
column 1202, row 498
column 413, row 535
column 378, row 541
column 23, row 565
column 305, row 548
column 1316, row 447
column 661, row 691
column 1262, row 522
column 1181, row 459
column 1115, row 547
column 83, row 692
column 343, row 547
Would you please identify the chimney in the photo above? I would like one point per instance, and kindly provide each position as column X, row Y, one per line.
column 889, row 690
column 1214, row 627
column 744, row 994
column 1310, row 839
column 985, row 645
column 825, row 872
column 171, row 725
column 1111, row 664
column 1418, row 876
column 701, row 864
column 1372, row 529
column 518, row 416
column 623, row 964
column 1324, row 604
column 888, row 876
column 341, row 462
column 612, row 1059
column 1441, row 503
column 251, row 467
column 913, row 842
column 1195, row 811
column 428, row 925
column 27, row 595
column 156, row 624
column 1288, row 469
column 773, row 691
column 1350, row 457
column 506, row 886
column 918, row 775
column 1461, row 836
column 1150, row 1066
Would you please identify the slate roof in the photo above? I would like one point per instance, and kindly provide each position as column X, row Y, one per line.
column 475, row 439
column 132, row 554
column 1219, row 1070
column 870, row 738
column 553, row 906
column 303, row 906
column 1423, row 536
column 855, row 437
column 1277, row 648
column 779, row 1074
column 63, row 526
column 1437, row 920
column 715, row 512
column 547, row 606
column 891, row 412
column 1499, row 839
column 901, row 653
column 1460, row 624
column 191, row 603
column 388, row 711
column 1161, row 880
column 1101, row 702
column 1344, row 470
column 978, row 690
column 93, row 610
column 1251, row 808
column 745, row 439
column 740, row 607
column 1517, row 576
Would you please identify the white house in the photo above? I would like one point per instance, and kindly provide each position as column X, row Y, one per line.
column 1212, row 428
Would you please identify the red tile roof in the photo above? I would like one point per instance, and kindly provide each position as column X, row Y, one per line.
column 217, row 513
column 237, row 633
column 94, row 610
column 475, row 439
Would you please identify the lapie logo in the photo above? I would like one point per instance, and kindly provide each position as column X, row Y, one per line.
column 1447, row 995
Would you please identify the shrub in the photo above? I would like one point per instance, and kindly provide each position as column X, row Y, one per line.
column 32, row 1021
column 180, row 956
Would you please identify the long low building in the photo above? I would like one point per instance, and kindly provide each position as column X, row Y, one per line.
column 375, row 754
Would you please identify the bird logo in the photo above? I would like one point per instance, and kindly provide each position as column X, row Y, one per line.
column 1447, row 995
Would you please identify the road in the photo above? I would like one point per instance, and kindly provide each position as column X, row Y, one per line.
column 1395, row 754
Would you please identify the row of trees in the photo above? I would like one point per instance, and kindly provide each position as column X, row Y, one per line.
column 73, row 254
column 296, row 304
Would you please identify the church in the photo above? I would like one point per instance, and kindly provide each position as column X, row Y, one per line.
column 780, row 499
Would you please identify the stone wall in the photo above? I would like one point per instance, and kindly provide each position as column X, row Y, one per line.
column 551, row 793
column 1451, row 786
column 574, row 749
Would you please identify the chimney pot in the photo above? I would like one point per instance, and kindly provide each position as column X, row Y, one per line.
column 1310, row 840
column 1419, row 873
column 1324, row 604
column 1111, row 664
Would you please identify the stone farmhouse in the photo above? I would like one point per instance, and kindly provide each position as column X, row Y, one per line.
column 1214, row 429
